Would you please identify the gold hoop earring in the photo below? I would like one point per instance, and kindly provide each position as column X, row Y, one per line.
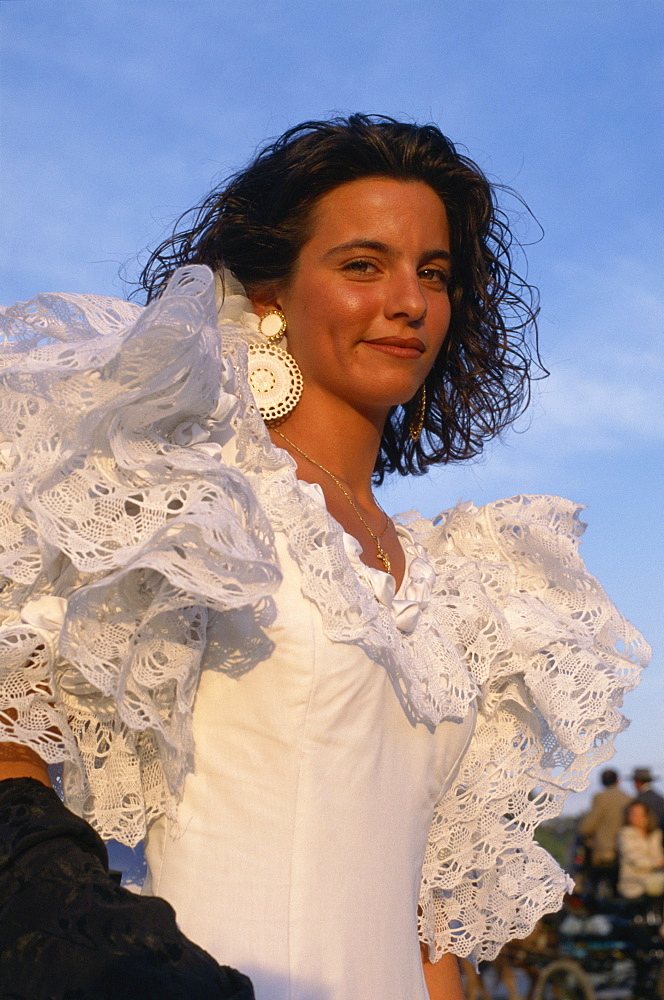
column 417, row 423
column 275, row 379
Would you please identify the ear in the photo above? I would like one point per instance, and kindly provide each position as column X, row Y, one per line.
column 264, row 301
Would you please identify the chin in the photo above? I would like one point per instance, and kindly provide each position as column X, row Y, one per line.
column 391, row 396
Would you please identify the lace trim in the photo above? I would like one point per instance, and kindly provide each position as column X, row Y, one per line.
column 112, row 500
column 414, row 593
column 549, row 711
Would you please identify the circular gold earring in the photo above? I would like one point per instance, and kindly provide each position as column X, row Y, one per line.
column 274, row 376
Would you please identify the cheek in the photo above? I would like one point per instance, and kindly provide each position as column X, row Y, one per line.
column 347, row 303
column 337, row 316
column 321, row 303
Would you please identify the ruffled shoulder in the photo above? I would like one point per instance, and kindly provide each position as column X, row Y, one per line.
column 526, row 549
column 120, row 527
column 553, row 659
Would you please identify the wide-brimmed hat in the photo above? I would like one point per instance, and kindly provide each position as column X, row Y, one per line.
column 642, row 774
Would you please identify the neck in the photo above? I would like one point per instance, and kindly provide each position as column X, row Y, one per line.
column 343, row 441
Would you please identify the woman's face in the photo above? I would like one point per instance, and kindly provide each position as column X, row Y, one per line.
column 368, row 307
column 637, row 816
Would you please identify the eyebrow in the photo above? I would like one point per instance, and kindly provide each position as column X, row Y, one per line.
column 380, row 247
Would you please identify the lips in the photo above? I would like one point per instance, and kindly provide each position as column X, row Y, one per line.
column 399, row 347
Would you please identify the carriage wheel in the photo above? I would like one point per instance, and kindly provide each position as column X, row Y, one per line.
column 563, row 979
column 659, row 982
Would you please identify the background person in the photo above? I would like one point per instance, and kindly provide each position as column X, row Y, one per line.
column 599, row 829
column 640, row 854
column 641, row 883
column 643, row 779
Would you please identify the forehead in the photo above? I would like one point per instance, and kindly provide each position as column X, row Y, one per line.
column 381, row 207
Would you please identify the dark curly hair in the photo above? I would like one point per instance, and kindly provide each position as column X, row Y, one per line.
column 257, row 221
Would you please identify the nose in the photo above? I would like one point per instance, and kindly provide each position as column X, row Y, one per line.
column 405, row 298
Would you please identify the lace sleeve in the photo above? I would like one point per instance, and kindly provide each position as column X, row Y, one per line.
column 552, row 684
column 114, row 501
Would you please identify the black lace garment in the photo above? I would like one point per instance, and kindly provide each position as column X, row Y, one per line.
column 68, row 931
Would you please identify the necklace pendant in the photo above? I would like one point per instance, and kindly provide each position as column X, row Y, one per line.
column 384, row 558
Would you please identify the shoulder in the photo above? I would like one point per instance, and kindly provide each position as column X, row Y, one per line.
column 602, row 801
column 130, row 503
column 524, row 551
column 654, row 801
column 599, row 801
column 617, row 796
column 539, row 533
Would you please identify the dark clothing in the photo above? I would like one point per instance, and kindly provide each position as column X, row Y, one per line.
column 603, row 880
column 69, row 932
column 654, row 801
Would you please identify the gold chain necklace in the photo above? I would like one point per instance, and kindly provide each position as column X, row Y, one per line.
column 382, row 554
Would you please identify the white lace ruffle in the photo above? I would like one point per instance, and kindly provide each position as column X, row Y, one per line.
column 115, row 504
column 554, row 658
column 414, row 593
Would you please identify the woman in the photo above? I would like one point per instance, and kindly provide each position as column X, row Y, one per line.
column 640, row 852
column 337, row 728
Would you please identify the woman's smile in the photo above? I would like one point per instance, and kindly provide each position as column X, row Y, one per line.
column 398, row 347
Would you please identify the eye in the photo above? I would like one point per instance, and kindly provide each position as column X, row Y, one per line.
column 438, row 276
column 360, row 266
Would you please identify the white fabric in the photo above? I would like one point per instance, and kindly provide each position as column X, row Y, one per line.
column 298, row 850
column 112, row 499
column 415, row 591
column 641, row 860
column 141, row 489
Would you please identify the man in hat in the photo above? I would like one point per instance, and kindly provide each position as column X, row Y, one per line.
column 643, row 780
column 599, row 830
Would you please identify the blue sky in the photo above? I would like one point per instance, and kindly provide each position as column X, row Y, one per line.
column 117, row 116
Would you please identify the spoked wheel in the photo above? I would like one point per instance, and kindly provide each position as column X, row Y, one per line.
column 659, row 982
column 563, row 979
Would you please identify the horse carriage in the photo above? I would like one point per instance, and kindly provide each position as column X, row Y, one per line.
column 591, row 950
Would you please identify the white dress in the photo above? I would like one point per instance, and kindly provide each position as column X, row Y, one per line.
column 305, row 823
column 322, row 764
